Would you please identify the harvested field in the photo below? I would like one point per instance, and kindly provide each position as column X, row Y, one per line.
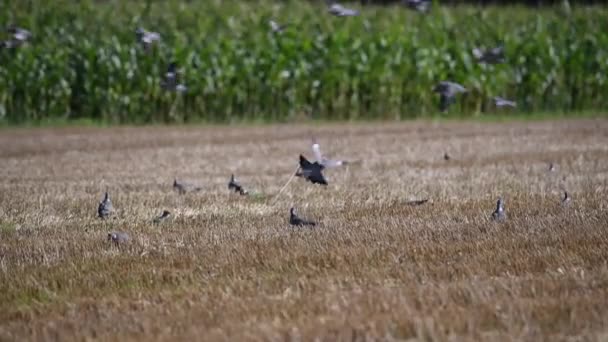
column 230, row 267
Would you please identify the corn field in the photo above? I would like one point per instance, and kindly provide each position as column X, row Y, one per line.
column 83, row 61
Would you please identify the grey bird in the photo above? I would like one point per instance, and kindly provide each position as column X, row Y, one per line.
column 18, row 36
column 183, row 187
column 552, row 167
column 146, row 38
column 325, row 162
column 502, row 102
column 566, row 200
column 341, row 11
column 312, row 172
column 118, row 238
column 294, row 220
column 276, row 27
column 105, row 208
column 163, row 217
column 416, row 203
column 233, row 184
column 448, row 91
column 490, row 56
column 170, row 81
column 499, row 214
column 421, row 6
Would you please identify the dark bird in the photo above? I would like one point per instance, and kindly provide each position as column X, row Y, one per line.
column 417, row 202
column 312, row 172
column 501, row 102
column 552, row 167
column 499, row 214
column 118, row 238
column 171, row 79
column 105, row 208
column 490, row 56
column 163, row 217
column 325, row 162
column 421, row 6
column 341, row 11
column 276, row 27
column 448, row 91
column 294, row 220
column 566, row 200
column 233, row 184
column 183, row 187
column 446, row 156
column 146, row 38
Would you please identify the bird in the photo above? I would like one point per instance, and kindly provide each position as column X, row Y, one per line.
column 448, row 91
column 146, row 38
column 415, row 203
column 421, row 6
column 552, row 167
column 567, row 199
column 118, row 238
column 502, row 102
column 446, row 156
column 341, row 11
column 494, row 55
column 312, row 172
column 233, row 184
column 170, row 81
column 294, row 220
column 163, row 217
column 276, row 27
column 325, row 162
column 183, row 187
column 499, row 214
column 105, row 208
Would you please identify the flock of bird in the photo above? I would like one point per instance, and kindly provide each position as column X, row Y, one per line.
column 309, row 171
column 170, row 81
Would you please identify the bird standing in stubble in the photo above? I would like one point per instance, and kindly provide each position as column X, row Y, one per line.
column 166, row 214
column 105, row 208
column 499, row 214
column 233, row 184
column 294, row 220
column 118, row 238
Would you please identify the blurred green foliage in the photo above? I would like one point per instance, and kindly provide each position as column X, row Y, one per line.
column 84, row 62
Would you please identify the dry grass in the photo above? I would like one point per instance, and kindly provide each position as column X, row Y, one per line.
column 231, row 268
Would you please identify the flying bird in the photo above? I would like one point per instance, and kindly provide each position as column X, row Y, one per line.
column 490, row 56
column 105, row 208
column 171, row 80
column 18, row 36
column 118, row 238
column 501, row 102
column 294, row 220
column 233, row 184
column 183, row 187
column 325, row 162
column 448, row 91
column 146, row 38
column 341, row 11
column 421, row 6
column 163, row 217
column 499, row 214
column 276, row 27
column 312, row 172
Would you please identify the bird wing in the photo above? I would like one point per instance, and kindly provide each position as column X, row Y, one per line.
column 304, row 163
column 316, row 151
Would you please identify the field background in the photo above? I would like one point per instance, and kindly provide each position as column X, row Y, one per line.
column 84, row 64
column 231, row 268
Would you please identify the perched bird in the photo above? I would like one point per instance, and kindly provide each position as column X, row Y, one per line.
column 325, row 162
column 105, row 207
column 163, row 217
column 294, row 220
column 183, row 187
column 490, row 56
column 567, row 199
column 499, row 214
column 312, row 172
column 233, row 184
column 276, row 27
column 171, row 81
column 415, row 203
column 146, row 38
column 118, row 238
column 448, row 91
column 418, row 5
column 501, row 102
column 341, row 11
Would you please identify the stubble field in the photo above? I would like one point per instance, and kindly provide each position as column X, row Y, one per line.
column 227, row 267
